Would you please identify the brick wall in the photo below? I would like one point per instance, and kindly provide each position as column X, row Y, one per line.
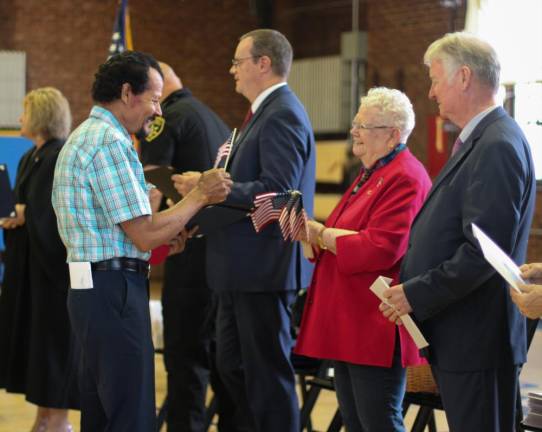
column 399, row 34
column 399, row 31
column 66, row 40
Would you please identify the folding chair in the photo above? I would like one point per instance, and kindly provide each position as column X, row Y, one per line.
column 321, row 380
column 422, row 391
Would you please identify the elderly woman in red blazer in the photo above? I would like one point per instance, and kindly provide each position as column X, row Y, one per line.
column 366, row 236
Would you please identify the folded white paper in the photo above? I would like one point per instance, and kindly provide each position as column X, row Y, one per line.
column 378, row 287
column 80, row 275
column 498, row 259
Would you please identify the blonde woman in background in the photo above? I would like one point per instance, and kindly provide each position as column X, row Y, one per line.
column 37, row 345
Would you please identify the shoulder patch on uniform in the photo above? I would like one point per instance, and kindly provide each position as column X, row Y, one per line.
column 156, row 128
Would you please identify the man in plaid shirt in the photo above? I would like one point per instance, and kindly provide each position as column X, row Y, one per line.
column 106, row 223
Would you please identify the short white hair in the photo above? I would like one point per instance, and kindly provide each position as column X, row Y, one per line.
column 392, row 108
column 464, row 49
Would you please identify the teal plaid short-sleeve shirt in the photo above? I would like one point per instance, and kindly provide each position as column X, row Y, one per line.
column 98, row 184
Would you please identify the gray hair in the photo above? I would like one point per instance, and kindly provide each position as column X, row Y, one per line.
column 273, row 44
column 48, row 113
column 392, row 108
column 463, row 49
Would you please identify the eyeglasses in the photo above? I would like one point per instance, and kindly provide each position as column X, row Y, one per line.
column 237, row 61
column 360, row 126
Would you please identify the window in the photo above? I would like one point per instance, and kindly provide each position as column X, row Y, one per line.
column 513, row 28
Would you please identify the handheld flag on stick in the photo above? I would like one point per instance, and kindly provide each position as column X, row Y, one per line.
column 224, row 150
column 233, row 136
column 284, row 219
column 122, row 32
column 268, row 208
column 298, row 221
column 284, row 207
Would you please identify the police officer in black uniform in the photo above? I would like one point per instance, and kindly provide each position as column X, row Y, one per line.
column 187, row 137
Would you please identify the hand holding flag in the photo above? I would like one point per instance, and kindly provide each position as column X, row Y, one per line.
column 284, row 207
column 299, row 221
column 268, row 208
column 225, row 150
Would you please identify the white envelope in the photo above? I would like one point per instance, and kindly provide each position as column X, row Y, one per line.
column 498, row 259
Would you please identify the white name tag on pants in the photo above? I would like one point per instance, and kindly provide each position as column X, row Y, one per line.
column 80, row 275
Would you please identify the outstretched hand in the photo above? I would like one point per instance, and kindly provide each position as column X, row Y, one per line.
column 186, row 181
column 215, row 185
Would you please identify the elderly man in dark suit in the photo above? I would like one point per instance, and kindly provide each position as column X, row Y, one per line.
column 255, row 275
column 476, row 334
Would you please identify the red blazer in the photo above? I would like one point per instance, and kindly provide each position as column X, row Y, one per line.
column 341, row 320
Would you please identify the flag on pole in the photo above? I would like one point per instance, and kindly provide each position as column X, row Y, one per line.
column 284, row 207
column 284, row 219
column 122, row 32
column 268, row 208
column 224, row 150
column 298, row 221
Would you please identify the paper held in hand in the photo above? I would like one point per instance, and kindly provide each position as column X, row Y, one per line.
column 498, row 259
column 378, row 287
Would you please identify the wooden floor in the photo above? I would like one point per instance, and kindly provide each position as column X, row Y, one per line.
column 16, row 415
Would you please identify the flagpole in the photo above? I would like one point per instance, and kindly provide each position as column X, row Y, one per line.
column 128, row 29
column 233, row 135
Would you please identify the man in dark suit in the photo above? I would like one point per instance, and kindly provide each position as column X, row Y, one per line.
column 255, row 275
column 187, row 137
column 476, row 334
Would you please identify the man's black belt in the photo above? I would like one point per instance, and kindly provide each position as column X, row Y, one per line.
column 128, row 264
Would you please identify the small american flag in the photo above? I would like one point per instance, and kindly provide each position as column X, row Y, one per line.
column 298, row 221
column 284, row 219
column 268, row 208
column 224, row 150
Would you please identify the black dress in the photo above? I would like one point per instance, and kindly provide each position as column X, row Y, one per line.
column 38, row 354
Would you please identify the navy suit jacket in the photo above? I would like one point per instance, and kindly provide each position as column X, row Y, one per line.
column 274, row 153
column 463, row 306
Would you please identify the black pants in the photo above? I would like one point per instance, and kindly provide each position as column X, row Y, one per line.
column 112, row 324
column 189, row 312
column 253, row 356
column 482, row 400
